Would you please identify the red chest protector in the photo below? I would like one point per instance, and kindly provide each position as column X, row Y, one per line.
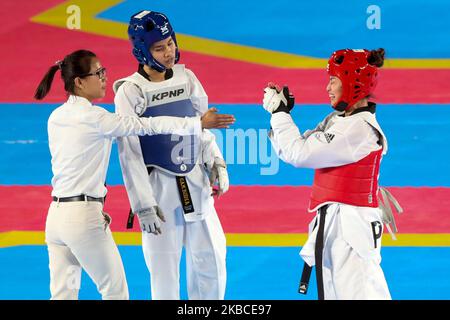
column 354, row 184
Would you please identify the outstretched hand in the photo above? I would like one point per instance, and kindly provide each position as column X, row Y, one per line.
column 212, row 119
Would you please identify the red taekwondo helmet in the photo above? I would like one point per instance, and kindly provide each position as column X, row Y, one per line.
column 358, row 77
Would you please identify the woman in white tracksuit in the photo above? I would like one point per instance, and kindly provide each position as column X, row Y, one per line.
column 345, row 150
column 170, row 176
column 80, row 135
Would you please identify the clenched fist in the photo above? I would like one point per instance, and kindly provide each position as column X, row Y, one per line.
column 278, row 100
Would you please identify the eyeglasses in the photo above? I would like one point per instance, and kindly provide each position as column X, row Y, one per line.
column 100, row 73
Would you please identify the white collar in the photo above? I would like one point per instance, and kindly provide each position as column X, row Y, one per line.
column 73, row 99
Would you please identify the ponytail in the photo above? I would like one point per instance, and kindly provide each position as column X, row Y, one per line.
column 376, row 57
column 46, row 82
column 73, row 65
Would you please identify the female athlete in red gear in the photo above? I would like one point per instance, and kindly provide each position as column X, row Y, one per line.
column 345, row 150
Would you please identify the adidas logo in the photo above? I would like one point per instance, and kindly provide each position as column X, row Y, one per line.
column 329, row 137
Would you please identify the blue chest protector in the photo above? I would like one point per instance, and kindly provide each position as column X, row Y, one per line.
column 171, row 152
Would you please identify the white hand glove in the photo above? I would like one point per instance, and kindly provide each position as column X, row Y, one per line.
column 149, row 220
column 272, row 99
column 278, row 100
column 219, row 173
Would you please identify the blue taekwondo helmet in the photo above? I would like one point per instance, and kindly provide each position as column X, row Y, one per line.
column 145, row 28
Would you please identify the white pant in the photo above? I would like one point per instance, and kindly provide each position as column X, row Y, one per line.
column 205, row 246
column 76, row 238
column 351, row 255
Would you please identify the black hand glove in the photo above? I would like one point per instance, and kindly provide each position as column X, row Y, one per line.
column 290, row 102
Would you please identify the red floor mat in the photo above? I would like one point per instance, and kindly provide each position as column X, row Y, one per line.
column 244, row 209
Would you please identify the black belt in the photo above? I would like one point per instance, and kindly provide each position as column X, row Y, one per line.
column 319, row 253
column 304, row 282
column 78, row 198
column 185, row 196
